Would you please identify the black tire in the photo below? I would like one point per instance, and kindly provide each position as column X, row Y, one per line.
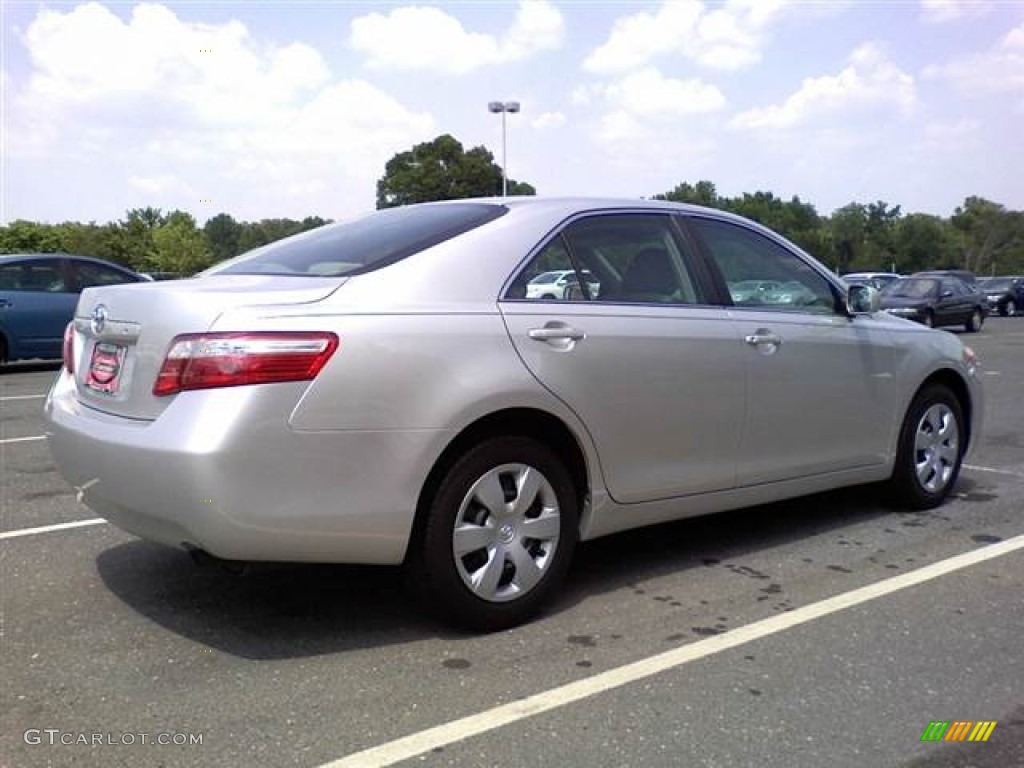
column 975, row 321
column 1009, row 309
column 923, row 478
column 929, row 318
column 457, row 586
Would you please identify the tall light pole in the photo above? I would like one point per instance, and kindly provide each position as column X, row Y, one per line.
column 504, row 107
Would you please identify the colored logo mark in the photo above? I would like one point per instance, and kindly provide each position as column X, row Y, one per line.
column 958, row 730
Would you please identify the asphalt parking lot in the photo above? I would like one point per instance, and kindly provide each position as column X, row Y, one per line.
column 825, row 631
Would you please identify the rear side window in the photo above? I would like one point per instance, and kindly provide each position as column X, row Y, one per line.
column 365, row 244
column 36, row 276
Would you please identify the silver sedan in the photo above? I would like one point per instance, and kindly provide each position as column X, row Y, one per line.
column 384, row 390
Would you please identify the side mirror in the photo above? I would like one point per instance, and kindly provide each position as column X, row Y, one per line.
column 945, row 294
column 862, row 299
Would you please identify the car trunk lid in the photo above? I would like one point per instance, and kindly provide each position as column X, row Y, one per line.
column 123, row 332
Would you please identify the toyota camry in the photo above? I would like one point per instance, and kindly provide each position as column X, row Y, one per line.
column 389, row 390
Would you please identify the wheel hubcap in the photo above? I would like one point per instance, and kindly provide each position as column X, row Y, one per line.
column 936, row 448
column 506, row 532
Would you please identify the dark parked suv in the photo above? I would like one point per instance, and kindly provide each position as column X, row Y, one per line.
column 936, row 299
column 1005, row 294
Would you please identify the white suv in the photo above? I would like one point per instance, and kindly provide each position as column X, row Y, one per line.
column 556, row 284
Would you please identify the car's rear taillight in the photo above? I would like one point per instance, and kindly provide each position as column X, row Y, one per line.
column 208, row 360
column 68, row 348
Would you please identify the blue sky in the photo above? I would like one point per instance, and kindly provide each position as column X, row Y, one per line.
column 292, row 109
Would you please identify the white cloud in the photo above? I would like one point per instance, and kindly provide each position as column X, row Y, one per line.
column 549, row 120
column 160, row 184
column 648, row 93
column 425, row 38
column 870, row 81
column 999, row 70
column 952, row 136
column 538, row 27
column 89, row 55
column 582, row 95
column 728, row 37
column 620, row 126
column 208, row 100
column 942, row 11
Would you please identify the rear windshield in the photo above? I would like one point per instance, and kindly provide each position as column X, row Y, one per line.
column 364, row 244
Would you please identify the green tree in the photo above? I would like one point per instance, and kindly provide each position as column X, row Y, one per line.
column 21, row 236
column 923, row 242
column 179, row 246
column 880, row 233
column 847, row 228
column 222, row 234
column 137, row 227
column 701, row 193
column 442, row 170
column 993, row 237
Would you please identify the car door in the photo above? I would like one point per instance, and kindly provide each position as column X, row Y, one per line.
column 36, row 304
column 652, row 369
column 950, row 305
column 821, row 391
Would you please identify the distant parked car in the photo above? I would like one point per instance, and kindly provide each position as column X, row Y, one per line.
column 962, row 274
column 752, row 291
column 936, row 300
column 875, row 279
column 558, row 284
column 38, row 294
column 1005, row 294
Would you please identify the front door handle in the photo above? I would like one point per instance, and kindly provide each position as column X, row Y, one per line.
column 6, row 303
column 763, row 336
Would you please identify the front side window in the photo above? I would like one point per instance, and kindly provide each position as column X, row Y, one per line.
column 362, row 245
column 954, row 287
column 761, row 273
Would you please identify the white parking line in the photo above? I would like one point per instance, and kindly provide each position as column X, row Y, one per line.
column 49, row 528
column 457, row 730
column 22, row 397
column 976, row 468
column 7, row 440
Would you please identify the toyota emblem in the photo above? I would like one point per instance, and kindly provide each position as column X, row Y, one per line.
column 99, row 319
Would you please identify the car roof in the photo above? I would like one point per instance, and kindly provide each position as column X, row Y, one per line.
column 580, row 204
column 9, row 257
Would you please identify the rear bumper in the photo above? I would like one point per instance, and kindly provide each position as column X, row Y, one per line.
column 207, row 474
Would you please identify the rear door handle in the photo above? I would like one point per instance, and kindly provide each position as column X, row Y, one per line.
column 5, row 303
column 556, row 333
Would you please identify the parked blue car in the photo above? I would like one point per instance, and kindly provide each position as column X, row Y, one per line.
column 38, row 294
